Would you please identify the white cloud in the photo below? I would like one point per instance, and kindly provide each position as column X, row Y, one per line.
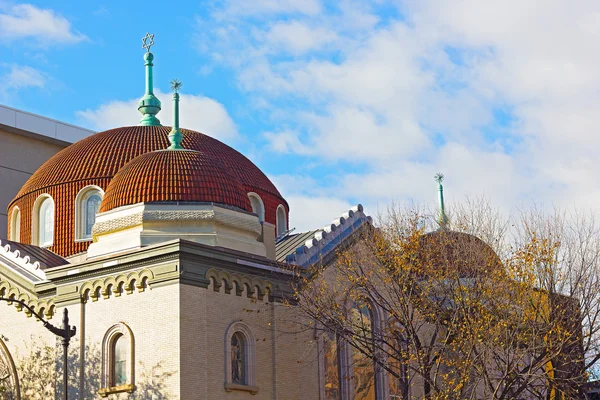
column 196, row 112
column 22, row 76
column 26, row 21
column 313, row 212
column 298, row 38
column 233, row 8
column 502, row 97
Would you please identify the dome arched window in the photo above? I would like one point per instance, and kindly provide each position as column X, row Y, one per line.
column 87, row 205
column 43, row 221
column 281, row 220
column 15, row 225
column 258, row 207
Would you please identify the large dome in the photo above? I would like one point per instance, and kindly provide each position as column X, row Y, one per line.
column 175, row 176
column 96, row 159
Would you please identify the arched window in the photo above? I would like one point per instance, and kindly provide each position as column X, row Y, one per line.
column 281, row 220
column 15, row 225
column 258, row 207
column 362, row 366
column 118, row 351
column 240, row 359
column 347, row 372
column 399, row 380
column 43, row 221
column 331, row 366
column 87, row 204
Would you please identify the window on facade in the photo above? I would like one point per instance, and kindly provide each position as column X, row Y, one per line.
column 119, row 358
column 349, row 373
column 281, row 220
column 257, row 206
column 398, row 374
column 15, row 225
column 87, row 206
column 363, row 366
column 238, row 359
column 45, row 221
column 331, row 366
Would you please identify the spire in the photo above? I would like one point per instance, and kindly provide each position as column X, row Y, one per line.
column 442, row 219
column 175, row 136
column 149, row 105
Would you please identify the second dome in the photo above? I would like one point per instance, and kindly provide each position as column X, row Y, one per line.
column 175, row 176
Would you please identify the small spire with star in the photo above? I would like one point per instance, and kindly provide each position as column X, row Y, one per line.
column 175, row 136
column 149, row 105
column 442, row 218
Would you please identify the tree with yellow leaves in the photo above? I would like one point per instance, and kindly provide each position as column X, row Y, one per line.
column 412, row 312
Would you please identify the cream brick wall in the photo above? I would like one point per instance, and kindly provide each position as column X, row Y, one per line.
column 281, row 371
column 153, row 317
column 182, row 328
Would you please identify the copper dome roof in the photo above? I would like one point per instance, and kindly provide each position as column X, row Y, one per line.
column 103, row 154
column 95, row 160
column 175, row 175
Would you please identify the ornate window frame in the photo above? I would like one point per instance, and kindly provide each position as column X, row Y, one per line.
column 80, row 210
column 108, row 360
column 281, row 220
column 15, row 224
column 344, row 353
column 8, row 364
column 258, row 207
column 35, row 226
column 249, row 358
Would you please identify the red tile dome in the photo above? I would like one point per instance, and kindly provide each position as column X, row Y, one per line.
column 175, row 175
column 97, row 158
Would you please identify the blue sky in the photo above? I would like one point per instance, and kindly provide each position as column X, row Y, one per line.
column 339, row 102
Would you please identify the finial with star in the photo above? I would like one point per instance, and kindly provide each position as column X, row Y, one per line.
column 148, row 41
column 176, row 85
column 439, row 177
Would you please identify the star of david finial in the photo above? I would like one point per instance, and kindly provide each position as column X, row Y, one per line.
column 439, row 177
column 148, row 41
column 176, row 85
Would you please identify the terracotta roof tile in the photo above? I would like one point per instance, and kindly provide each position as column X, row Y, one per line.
column 175, row 175
column 96, row 159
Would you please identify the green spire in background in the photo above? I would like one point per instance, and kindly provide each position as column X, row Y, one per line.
column 442, row 218
column 175, row 136
column 149, row 105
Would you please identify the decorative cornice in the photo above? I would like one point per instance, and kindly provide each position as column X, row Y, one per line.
column 138, row 218
column 326, row 240
column 112, row 286
column 42, row 307
column 253, row 286
column 24, row 262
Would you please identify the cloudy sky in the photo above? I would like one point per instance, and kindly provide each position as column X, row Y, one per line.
column 340, row 101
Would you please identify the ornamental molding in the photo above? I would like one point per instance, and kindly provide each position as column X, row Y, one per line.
column 254, row 287
column 24, row 261
column 114, row 286
column 139, row 218
column 328, row 238
column 42, row 307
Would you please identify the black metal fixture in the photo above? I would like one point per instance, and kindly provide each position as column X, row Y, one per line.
column 66, row 333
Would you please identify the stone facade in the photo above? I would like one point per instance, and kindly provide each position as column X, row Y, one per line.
column 178, row 299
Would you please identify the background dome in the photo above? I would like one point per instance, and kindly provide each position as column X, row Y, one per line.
column 175, row 175
column 462, row 253
column 96, row 159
